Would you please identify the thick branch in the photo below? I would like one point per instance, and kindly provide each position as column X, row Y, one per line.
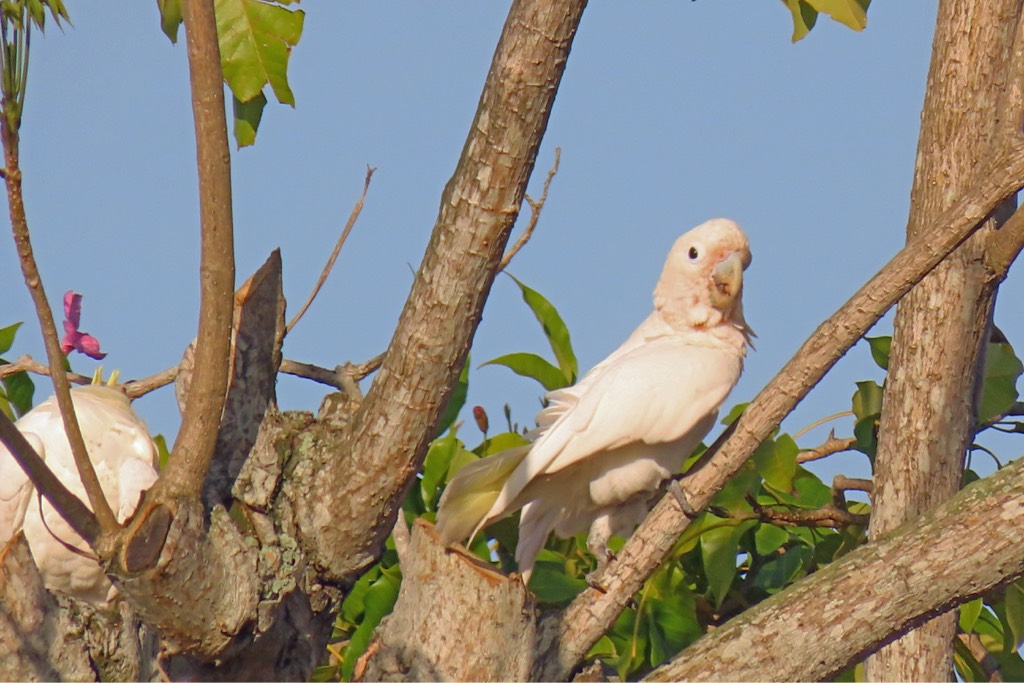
column 478, row 208
column 194, row 446
column 593, row 612
column 941, row 327
column 850, row 607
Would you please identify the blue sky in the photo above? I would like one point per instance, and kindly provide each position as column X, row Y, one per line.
column 669, row 113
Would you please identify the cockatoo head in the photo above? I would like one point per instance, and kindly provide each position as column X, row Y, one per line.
column 701, row 286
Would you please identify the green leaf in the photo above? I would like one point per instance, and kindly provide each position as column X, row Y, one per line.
column 378, row 603
column 780, row 570
column 18, row 390
column 776, row 461
column 850, row 13
column 718, row 547
column 602, row 648
column 804, row 17
column 533, row 366
column 867, row 436
column 500, row 442
column 554, row 329
column 868, row 399
column 768, row 538
column 733, row 496
column 734, row 413
column 256, row 39
column 551, row 584
column 353, row 607
column 247, row 117
column 999, row 391
column 163, row 454
column 1014, row 601
column 170, row 17
column 455, row 401
column 969, row 613
column 435, row 467
column 880, row 348
column 7, row 337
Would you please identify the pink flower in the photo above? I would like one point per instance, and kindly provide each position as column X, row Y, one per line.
column 83, row 342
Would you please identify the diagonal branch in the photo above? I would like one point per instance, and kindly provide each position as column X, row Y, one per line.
column 74, row 512
column 850, row 607
column 193, row 449
column 104, row 516
column 478, row 207
column 592, row 613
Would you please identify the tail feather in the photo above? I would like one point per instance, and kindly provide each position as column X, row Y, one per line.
column 538, row 519
column 472, row 492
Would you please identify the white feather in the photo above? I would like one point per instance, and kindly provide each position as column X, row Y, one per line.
column 124, row 457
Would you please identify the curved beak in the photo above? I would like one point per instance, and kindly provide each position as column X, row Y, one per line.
column 727, row 278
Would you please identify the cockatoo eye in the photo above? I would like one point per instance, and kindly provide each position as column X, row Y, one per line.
column 694, row 254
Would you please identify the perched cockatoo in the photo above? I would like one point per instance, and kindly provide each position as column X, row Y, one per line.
column 125, row 459
column 603, row 447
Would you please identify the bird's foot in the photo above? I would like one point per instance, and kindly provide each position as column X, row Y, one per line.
column 677, row 492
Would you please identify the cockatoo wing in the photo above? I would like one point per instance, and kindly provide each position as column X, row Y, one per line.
column 123, row 455
column 15, row 489
column 654, row 393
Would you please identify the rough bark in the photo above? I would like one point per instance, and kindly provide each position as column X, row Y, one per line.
column 447, row 590
column 829, row 620
column 478, row 208
column 941, row 327
column 47, row 638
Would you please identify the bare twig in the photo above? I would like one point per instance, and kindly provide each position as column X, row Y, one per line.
column 831, row 446
column 193, row 448
column 535, row 208
column 828, row 516
column 28, row 364
column 818, row 423
column 842, row 483
column 140, row 387
column 338, row 377
column 349, row 224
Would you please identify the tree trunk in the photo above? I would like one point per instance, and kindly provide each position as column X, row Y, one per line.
column 928, row 414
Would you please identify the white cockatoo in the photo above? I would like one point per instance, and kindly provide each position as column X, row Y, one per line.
column 603, row 447
column 125, row 459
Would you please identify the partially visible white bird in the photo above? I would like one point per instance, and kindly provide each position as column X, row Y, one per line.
column 125, row 459
column 603, row 446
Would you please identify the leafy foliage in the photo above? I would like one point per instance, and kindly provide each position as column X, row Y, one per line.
column 256, row 39
column 15, row 390
column 850, row 13
column 17, row 17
